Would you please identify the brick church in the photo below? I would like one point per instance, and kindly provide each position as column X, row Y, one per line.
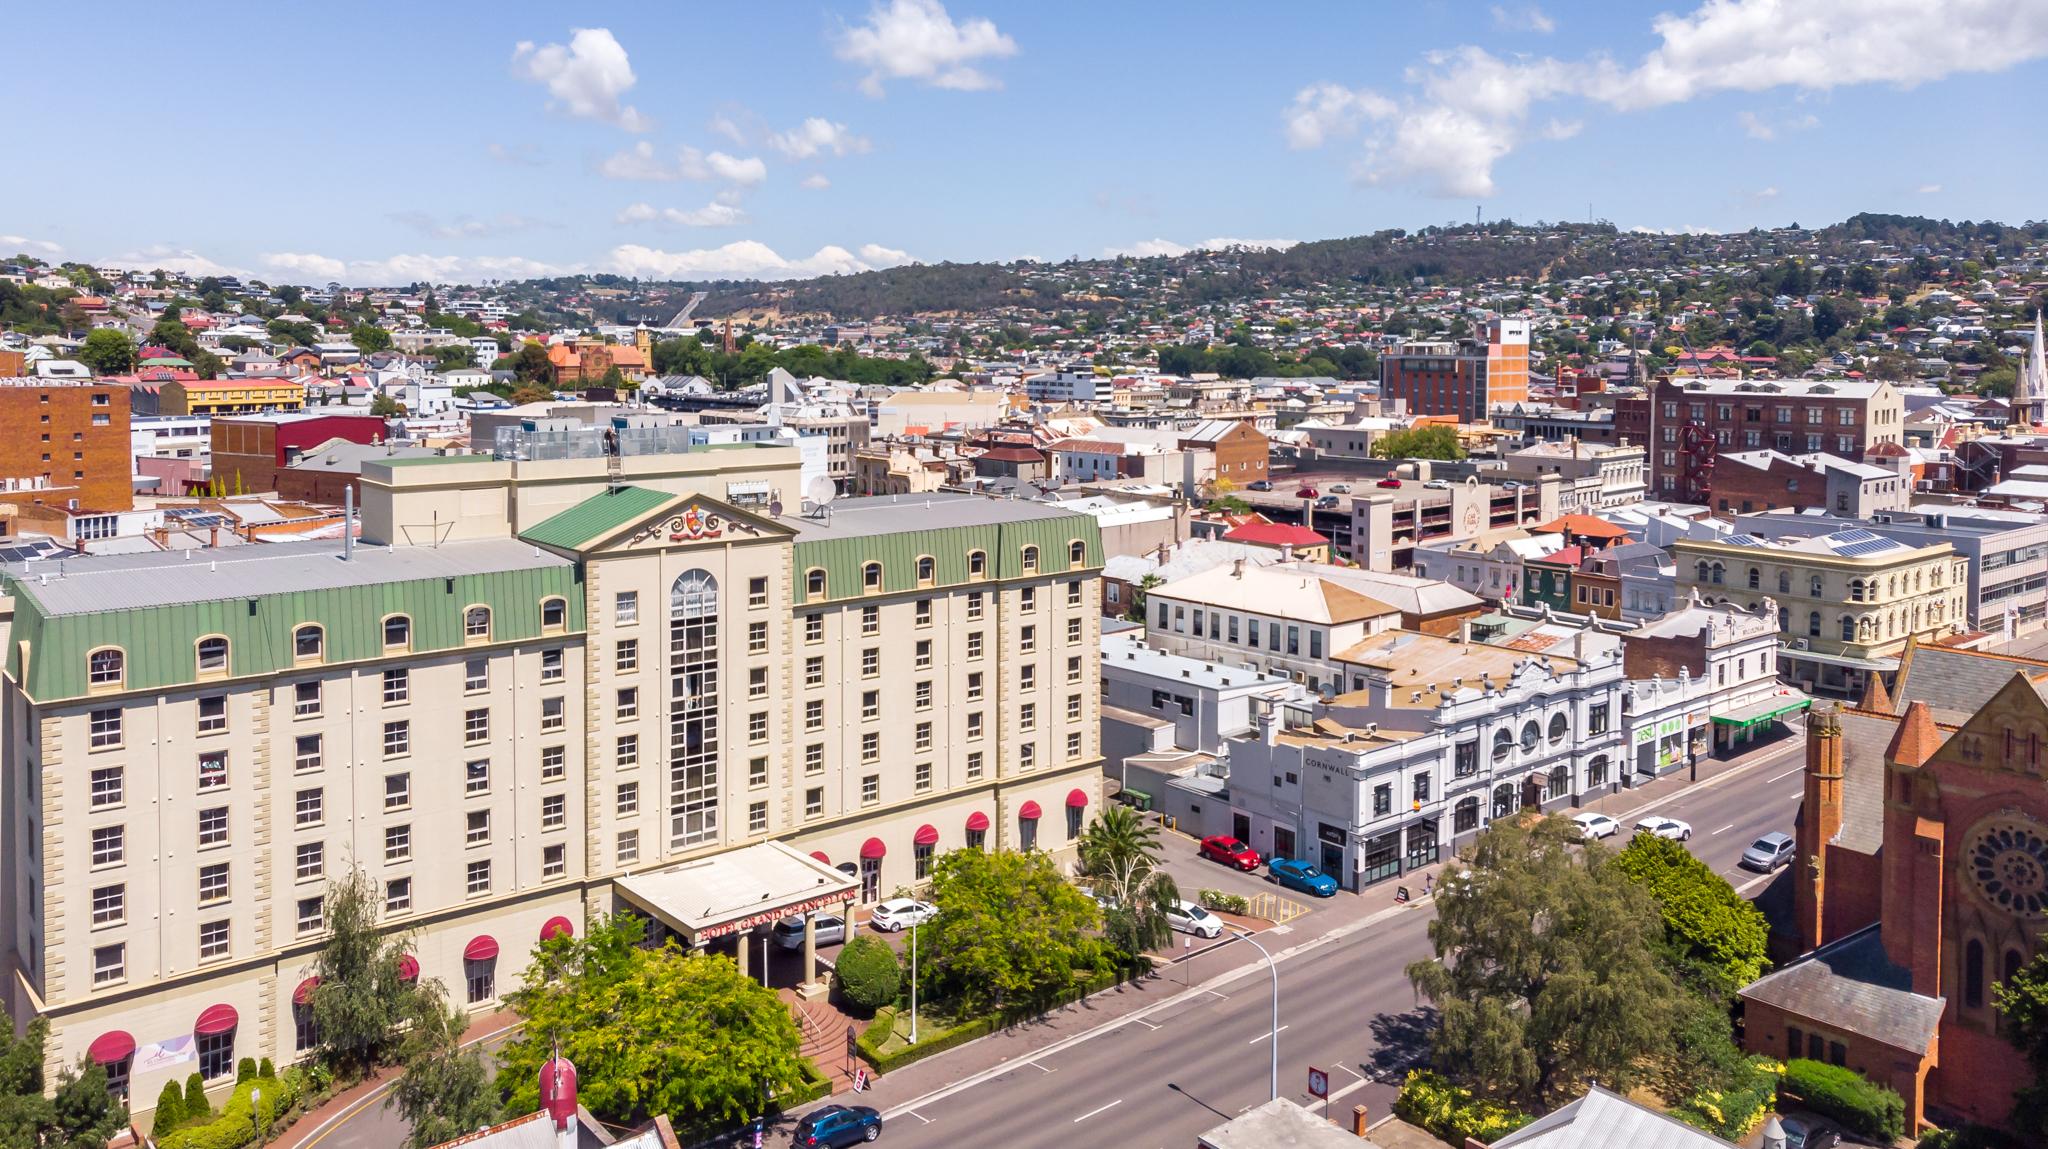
column 1921, row 881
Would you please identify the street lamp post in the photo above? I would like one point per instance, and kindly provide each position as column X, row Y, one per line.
column 1274, row 1037
column 913, row 983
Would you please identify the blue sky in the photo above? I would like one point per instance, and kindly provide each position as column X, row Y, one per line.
column 381, row 142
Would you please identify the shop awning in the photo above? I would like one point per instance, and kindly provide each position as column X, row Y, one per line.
column 482, row 947
column 111, row 1047
column 822, row 856
column 874, row 848
column 1077, row 799
column 926, row 836
column 303, row 995
column 1757, row 713
column 735, row 891
column 1846, row 660
column 1029, row 812
column 216, row 1019
column 408, row 968
column 557, row 927
column 977, row 822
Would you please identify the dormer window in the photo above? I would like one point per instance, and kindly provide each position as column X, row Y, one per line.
column 106, row 669
column 476, row 623
column 554, row 613
column 308, row 641
column 927, row 570
column 871, row 577
column 397, row 632
column 1031, row 560
column 977, row 564
column 213, row 655
column 814, row 583
column 1077, row 553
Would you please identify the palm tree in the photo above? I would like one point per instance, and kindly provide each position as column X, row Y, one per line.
column 1120, row 859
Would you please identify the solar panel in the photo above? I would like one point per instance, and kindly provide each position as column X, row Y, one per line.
column 1743, row 541
column 1855, row 535
column 1865, row 547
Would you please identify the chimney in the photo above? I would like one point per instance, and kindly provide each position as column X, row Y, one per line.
column 1237, row 568
column 1818, row 825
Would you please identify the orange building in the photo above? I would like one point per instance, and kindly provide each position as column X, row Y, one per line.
column 65, row 444
column 1464, row 379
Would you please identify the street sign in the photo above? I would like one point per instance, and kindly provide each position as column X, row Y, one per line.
column 852, row 1042
column 860, row 1079
column 1318, row 1083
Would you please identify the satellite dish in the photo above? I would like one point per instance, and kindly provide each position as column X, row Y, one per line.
column 820, row 491
column 775, row 509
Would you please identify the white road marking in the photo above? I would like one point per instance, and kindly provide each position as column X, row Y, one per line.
column 1213, row 993
column 1351, row 1071
column 1341, row 1094
column 1093, row 1112
column 1729, row 826
column 1799, row 769
column 1038, row 1067
column 1146, row 1024
column 920, row 1116
column 1267, row 1034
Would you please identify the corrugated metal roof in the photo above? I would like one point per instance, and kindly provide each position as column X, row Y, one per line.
column 596, row 516
column 897, row 530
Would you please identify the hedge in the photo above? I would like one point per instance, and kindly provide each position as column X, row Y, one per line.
column 933, row 1041
column 1859, row 1106
column 816, row 1085
column 1451, row 1112
column 1228, row 903
column 237, row 1124
column 1734, row 1113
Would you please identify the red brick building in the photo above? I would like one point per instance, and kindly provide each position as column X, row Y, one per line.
column 1921, row 880
column 1240, row 450
column 1688, row 423
column 250, row 451
column 1464, row 379
column 64, row 443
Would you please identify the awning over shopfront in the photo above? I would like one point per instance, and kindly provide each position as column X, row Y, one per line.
column 735, row 891
column 1766, row 710
column 1846, row 660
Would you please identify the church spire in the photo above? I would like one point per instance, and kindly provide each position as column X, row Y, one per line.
column 1876, row 699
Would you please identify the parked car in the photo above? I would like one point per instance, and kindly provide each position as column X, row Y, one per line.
column 1390, row 483
column 838, row 1125
column 1340, row 488
column 901, row 913
column 1302, row 877
column 1231, row 852
column 1189, row 918
column 1259, row 485
column 1593, row 825
column 1306, row 493
column 1806, row 1133
column 1769, row 852
column 1326, row 503
column 829, row 929
column 1437, row 485
column 1664, row 827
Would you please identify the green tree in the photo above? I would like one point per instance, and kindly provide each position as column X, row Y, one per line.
column 452, row 356
column 385, row 405
column 1011, row 932
column 370, row 338
column 445, row 1091
column 1435, row 441
column 362, row 1002
column 649, row 1030
column 1717, row 939
column 2022, row 1001
column 196, row 1107
column 170, row 1110
column 531, row 366
column 1138, row 596
column 870, row 976
column 108, row 352
column 521, row 396
column 1120, row 858
column 70, row 1120
column 86, row 1113
column 1230, row 505
column 1546, row 970
column 614, row 379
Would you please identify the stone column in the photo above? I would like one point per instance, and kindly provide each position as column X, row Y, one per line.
column 810, row 948
column 740, row 951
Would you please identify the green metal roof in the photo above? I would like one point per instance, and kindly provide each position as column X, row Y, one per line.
column 1003, row 542
column 595, row 517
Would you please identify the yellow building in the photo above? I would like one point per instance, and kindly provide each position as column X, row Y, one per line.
column 230, row 396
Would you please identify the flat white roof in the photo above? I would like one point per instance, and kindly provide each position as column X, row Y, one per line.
column 735, row 891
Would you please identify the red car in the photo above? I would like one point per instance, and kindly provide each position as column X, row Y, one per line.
column 1389, row 482
column 1305, row 493
column 1230, row 852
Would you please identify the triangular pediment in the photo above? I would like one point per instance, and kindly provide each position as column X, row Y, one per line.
column 638, row 519
column 2009, row 732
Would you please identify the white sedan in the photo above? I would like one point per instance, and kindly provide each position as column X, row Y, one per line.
column 1189, row 918
column 1664, row 827
column 901, row 914
column 1593, row 826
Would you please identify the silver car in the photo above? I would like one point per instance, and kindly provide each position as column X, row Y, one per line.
column 829, row 930
column 1189, row 918
column 1769, row 852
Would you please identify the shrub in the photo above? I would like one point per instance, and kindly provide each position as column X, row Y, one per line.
column 1451, row 1112
column 195, row 1107
column 869, row 975
column 170, row 1109
column 1966, row 1137
column 246, row 1070
column 1228, row 903
column 241, row 1117
column 1860, row 1107
column 1735, row 1110
column 930, row 1041
column 264, row 1069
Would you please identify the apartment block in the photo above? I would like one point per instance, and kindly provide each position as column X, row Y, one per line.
column 1464, row 378
column 66, row 445
column 1688, row 422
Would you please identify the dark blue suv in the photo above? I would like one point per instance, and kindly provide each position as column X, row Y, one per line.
column 838, row 1125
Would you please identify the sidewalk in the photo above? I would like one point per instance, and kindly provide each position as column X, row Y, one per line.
column 314, row 1125
column 1628, row 799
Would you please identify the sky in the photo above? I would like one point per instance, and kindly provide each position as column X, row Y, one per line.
column 380, row 143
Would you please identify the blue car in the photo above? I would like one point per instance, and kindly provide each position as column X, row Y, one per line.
column 1303, row 877
column 838, row 1125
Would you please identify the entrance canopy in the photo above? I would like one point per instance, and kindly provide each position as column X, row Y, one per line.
column 1849, row 661
column 1758, row 713
column 735, row 891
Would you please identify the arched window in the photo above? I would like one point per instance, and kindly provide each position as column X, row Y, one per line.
column 1973, row 974
column 693, row 756
column 1530, row 735
column 554, row 613
column 1703, row 572
column 977, row 564
column 1465, row 815
column 1503, row 743
column 814, row 583
column 871, row 576
column 476, row 622
column 1756, row 579
column 106, row 667
column 1855, row 590
column 1077, row 553
column 1031, row 560
column 1784, row 582
column 1504, row 802
column 213, row 655
column 1848, row 629
column 2013, row 962
column 308, row 641
column 1596, row 771
column 1559, row 727
column 397, row 632
column 927, row 570
column 1813, row 587
column 1813, row 623
column 1717, row 572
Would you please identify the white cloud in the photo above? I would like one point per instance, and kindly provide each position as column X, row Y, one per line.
column 17, row 244
column 748, row 259
column 641, row 162
column 586, row 78
column 165, row 257
column 1145, row 248
column 311, row 267
column 465, row 227
column 1684, row 229
column 728, row 127
column 1759, row 128
column 720, row 166
column 816, row 182
column 1530, row 19
column 1930, row 189
column 1465, row 109
column 918, row 40
column 638, row 163
column 710, row 215
column 319, row 268
column 1767, row 193
column 816, row 135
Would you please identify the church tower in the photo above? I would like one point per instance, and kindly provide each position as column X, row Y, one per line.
column 2030, row 387
column 1820, row 819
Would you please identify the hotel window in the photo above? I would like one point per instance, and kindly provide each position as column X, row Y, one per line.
column 477, row 877
column 476, row 675
column 398, row 896
column 554, row 763
column 397, row 791
column 973, row 604
column 554, row 811
column 1073, row 745
column 554, row 861
column 553, row 713
column 550, row 666
column 477, row 828
column 814, row 715
column 1027, row 639
column 870, row 662
column 476, row 726
column 306, row 753
column 213, row 770
column 626, row 655
column 974, row 644
column 1074, row 593
column 757, row 818
column 397, row 686
column 1030, row 560
column 109, row 964
column 1074, row 669
column 628, row 849
column 814, row 758
column 757, row 682
column 554, row 613
column 213, row 883
column 870, row 620
column 973, row 765
column 307, row 642
column 309, row 807
column 629, row 703
column 923, row 695
column 870, row 705
column 814, row 628
column 977, row 564
column 974, row 686
column 757, row 727
column 110, row 905
column 1077, row 552
column 397, row 843
column 213, row 714
column 476, row 622
column 109, row 787
column 814, row 801
column 626, row 608
column 628, row 800
column 871, row 576
column 924, row 653
column 923, row 612
column 1073, row 706
column 870, row 788
column 757, row 591
column 923, row 777
column 1027, row 716
column 397, row 738
column 927, row 570
column 1027, row 677
column 476, row 776
column 310, row 861
column 213, row 827
column 1027, row 600
column 922, row 739
column 973, row 724
column 757, row 638
column 870, row 747
column 213, row 655
column 627, row 752
column 1074, row 629
column 814, row 584
column 306, row 700
column 397, row 632
column 213, row 945
column 109, row 845
column 1027, row 756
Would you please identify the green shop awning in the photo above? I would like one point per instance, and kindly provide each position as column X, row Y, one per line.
column 1757, row 713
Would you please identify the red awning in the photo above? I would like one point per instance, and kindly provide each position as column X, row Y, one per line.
column 873, row 848
column 977, row 822
column 111, row 1047
column 557, row 927
column 408, row 968
column 482, row 947
column 1029, row 811
column 216, row 1019
column 926, row 836
column 304, row 994
column 822, row 856
column 1077, row 799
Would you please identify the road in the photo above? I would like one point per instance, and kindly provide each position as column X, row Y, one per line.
column 1346, row 1007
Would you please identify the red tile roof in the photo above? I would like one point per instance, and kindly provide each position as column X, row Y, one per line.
column 1276, row 535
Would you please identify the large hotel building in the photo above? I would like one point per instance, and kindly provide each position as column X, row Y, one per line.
column 575, row 676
